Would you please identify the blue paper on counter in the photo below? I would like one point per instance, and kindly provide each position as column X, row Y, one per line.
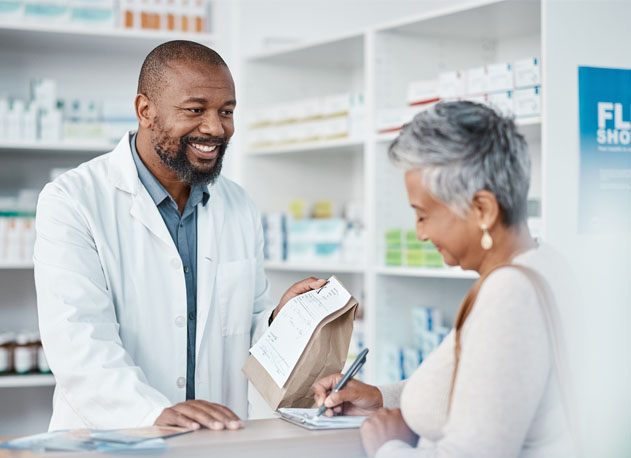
column 121, row 440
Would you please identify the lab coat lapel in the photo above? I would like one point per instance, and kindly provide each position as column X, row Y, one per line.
column 123, row 174
column 210, row 222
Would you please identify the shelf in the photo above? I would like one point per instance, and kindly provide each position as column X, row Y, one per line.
column 289, row 267
column 16, row 265
column 427, row 272
column 528, row 126
column 338, row 52
column 491, row 19
column 343, row 146
column 19, row 381
column 66, row 38
column 57, row 147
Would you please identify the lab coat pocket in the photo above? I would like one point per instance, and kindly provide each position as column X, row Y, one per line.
column 235, row 293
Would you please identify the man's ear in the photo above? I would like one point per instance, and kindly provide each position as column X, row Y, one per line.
column 145, row 111
column 485, row 209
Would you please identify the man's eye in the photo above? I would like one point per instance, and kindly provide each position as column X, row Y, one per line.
column 195, row 110
column 227, row 112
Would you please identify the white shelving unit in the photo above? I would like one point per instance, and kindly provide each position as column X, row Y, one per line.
column 85, row 148
column 319, row 268
column 87, row 64
column 379, row 62
column 24, row 381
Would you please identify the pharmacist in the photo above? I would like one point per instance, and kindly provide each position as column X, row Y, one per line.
column 149, row 264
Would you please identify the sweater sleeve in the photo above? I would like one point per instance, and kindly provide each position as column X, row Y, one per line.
column 392, row 394
column 503, row 372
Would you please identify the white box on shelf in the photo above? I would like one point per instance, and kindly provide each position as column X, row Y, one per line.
column 480, row 98
column 527, row 102
column 313, row 107
column 337, row 105
column 335, row 127
column 391, row 119
column 527, row 72
column 502, row 102
column 424, row 91
column 500, row 77
column 46, row 12
column 477, row 81
column 451, row 85
column 94, row 14
column 11, row 11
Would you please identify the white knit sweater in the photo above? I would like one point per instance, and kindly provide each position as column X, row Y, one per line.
column 506, row 399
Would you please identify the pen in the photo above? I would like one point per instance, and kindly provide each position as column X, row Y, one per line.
column 355, row 367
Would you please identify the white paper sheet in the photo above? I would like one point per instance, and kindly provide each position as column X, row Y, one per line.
column 279, row 349
column 307, row 418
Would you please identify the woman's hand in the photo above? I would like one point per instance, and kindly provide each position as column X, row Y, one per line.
column 385, row 425
column 356, row 398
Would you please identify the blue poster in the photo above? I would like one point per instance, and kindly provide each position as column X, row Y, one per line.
column 605, row 129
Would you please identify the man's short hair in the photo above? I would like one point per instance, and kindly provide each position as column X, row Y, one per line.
column 153, row 69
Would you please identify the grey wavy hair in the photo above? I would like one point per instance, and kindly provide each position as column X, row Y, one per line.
column 465, row 147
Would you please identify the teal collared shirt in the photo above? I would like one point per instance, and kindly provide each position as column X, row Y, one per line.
column 183, row 230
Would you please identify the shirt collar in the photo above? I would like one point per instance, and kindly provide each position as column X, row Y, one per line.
column 199, row 193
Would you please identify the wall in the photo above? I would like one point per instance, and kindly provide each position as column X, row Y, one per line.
column 589, row 33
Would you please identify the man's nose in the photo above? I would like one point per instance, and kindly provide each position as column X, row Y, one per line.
column 211, row 125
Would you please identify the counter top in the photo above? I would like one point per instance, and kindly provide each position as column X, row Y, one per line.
column 259, row 438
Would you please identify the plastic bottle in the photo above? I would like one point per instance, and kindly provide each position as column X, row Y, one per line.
column 23, row 353
column 6, row 352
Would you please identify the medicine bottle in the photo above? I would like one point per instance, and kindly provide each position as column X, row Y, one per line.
column 23, row 361
column 6, row 352
column 42, row 362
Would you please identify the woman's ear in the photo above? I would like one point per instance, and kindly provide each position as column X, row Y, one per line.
column 144, row 111
column 486, row 210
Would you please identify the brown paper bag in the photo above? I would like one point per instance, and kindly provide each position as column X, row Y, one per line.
column 325, row 354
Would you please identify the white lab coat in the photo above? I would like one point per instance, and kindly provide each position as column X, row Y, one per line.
column 111, row 296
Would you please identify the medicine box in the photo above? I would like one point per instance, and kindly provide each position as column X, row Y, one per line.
column 499, row 77
column 527, row 72
column 451, row 85
column 502, row 102
column 477, row 81
column 422, row 92
column 527, row 102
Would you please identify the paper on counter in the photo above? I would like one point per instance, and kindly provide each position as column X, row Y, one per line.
column 279, row 349
column 308, row 418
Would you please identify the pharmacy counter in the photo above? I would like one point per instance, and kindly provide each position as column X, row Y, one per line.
column 259, row 438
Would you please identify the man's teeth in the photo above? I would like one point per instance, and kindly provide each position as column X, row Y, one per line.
column 204, row 148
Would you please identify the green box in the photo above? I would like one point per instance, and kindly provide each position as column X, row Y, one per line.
column 415, row 257
column 433, row 258
column 411, row 241
column 394, row 257
column 394, row 238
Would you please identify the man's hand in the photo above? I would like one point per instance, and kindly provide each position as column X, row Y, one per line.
column 356, row 398
column 197, row 413
column 385, row 425
column 297, row 289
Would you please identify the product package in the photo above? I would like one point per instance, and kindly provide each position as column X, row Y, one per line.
column 308, row 340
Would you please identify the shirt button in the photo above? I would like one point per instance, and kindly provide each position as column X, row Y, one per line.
column 186, row 269
column 180, row 321
column 181, row 382
column 176, row 263
column 191, row 316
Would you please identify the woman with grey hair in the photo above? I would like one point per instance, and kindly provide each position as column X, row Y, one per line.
column 492, row 388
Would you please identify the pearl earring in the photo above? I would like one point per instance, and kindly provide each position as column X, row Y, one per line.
column 487, row 240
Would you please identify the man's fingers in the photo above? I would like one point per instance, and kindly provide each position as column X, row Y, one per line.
column 228, row 417
column 171, row 417
column 202, row 416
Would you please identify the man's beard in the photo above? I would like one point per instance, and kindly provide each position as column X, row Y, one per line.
column 175, row 157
